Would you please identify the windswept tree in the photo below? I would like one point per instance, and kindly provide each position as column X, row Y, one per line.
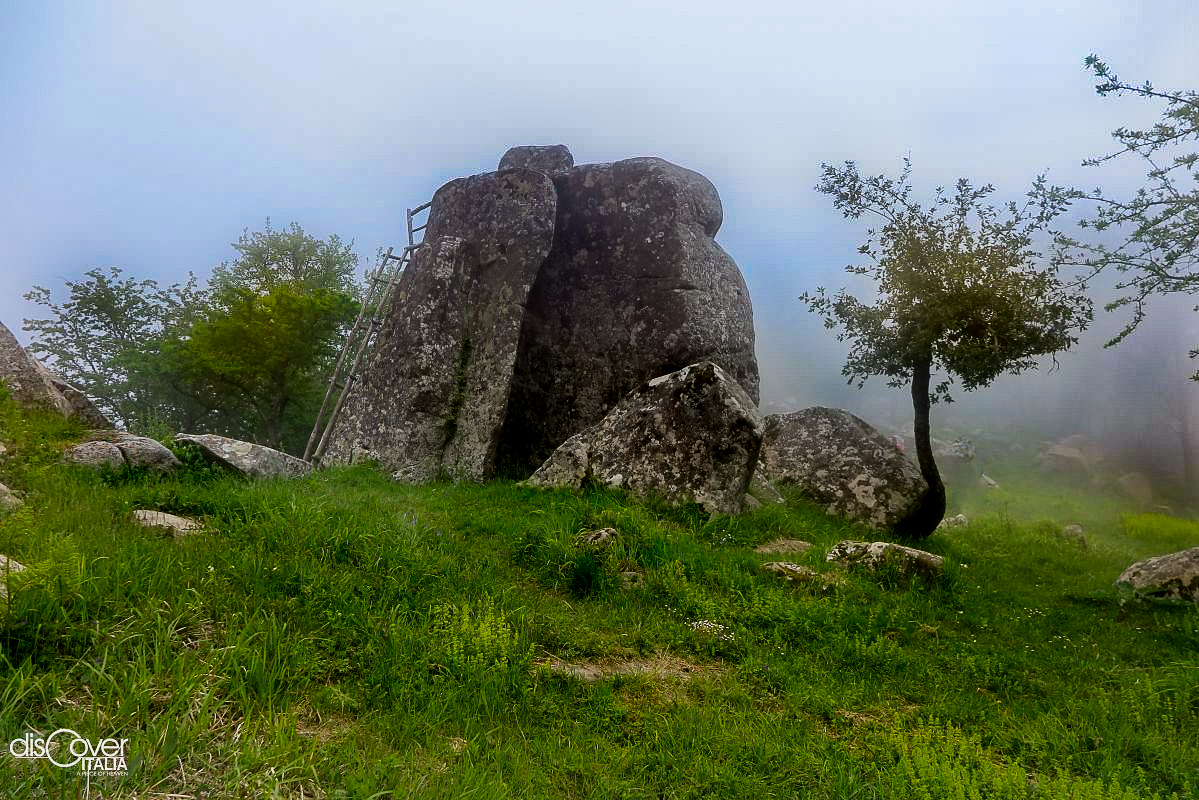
column 961, row 291
column 1150, row 237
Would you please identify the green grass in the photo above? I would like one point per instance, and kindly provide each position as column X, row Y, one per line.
column 342, row 636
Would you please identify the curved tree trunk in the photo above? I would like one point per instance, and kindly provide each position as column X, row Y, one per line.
column 929, row 512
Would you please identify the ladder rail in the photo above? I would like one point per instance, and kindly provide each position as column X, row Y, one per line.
column 346, row 346
column 362, row 335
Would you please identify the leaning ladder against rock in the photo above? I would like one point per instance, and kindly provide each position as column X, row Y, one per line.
column 386, row 273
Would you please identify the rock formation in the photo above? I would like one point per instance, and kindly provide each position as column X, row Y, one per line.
column 691, row 436
column 543, row 294
column 1169, row 577
column 33, row 386
column 841, row 462
column 248, row 459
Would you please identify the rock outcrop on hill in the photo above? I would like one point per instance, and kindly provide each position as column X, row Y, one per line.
column 543, row 294
column 690, row 436
column 251, row 460
column 841, row 462
column 34, row 386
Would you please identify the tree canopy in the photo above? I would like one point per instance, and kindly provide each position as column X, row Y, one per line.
column 960, row 290
column 245, row 357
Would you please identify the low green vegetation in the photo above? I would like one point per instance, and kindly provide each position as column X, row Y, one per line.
column 342, row 636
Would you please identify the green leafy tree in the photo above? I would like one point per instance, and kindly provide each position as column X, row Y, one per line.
column 1152, row 236
column 958, row 291
column 108, row 338
column 262, row 350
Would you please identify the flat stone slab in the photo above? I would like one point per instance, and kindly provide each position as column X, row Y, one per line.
column 876, row 556
column 784, row 546
column 161, row 519
column 250, row 460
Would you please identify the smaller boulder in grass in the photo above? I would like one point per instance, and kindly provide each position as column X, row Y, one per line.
column 95, row 455
column 161, row 519
column 7, row 567
column 596, row 539
column 1169, row 577
column 245, row 458
column 8, row 498
column 877, row 556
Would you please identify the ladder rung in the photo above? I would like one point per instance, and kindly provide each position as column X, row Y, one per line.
column 419, row 209
column 421, row 228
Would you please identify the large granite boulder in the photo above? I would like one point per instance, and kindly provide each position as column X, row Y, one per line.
column 543, row 294
column 34, row 386
column 1169, row 577
column 842, row 463
column 434, row 394
column 554, row 160
column 246, row 458
column 634, row 287
column 690, row 436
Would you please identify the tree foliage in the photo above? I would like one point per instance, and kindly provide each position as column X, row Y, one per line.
column 246, row 357
column 959, row 291
column 106, row 337
column 1152, row 236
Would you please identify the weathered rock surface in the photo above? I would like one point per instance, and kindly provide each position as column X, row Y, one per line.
column 435, row 391
column 596, row 539
column 1074, row 534
column 956, row 521
column 251, row 460
column 8, row 567
column 844, row 464
column 635, row 287
column 160, row 519
column 690, row 436
column 8, row 498
column 555, row 160
column 1137, row 486
column 876, row 556
column 79, row 405
column 1169, row 577
column 116, row 449
column 95, row 455
column 27, row 380
column 34, row 386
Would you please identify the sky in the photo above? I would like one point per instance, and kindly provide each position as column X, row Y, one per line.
column 149, row 135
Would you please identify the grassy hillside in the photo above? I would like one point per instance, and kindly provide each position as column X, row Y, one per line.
column 345, row 637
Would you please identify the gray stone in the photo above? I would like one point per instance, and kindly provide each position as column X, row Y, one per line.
column 631, row 579
column 161, row 519
column 1074, row 534
column 27, row 380
column 434, row 393
column 988, row 481
column 791, row 572
column 141, row 451
column 251, row 460
column 1137, row 486
column 95, row 455
column 554, row 160
column 876, row 556
column 1169, row 577
column 844, row 464
column 599, row 538
column 7, row 567
column 635, row 287
column 79, row 405
column 8, row 498
column 690, row 436
column 956, row 521
column 784, row 546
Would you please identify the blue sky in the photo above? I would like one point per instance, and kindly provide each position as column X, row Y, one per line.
column 149, row 134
